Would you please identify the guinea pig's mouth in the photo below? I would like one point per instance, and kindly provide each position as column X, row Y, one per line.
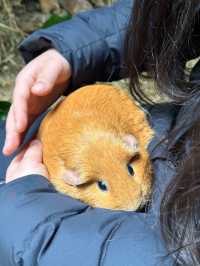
column 141, row 205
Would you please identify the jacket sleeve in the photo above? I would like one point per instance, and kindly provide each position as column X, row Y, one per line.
column 41, row 227
column 91, row 41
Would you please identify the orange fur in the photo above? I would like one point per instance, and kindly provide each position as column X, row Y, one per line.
column 84, row 133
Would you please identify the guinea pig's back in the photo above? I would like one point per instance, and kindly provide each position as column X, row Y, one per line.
column 105, row 104
column 90, row 108
column 111, row 108
column 97, row 106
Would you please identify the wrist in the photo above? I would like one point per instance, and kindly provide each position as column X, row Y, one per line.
column 66, row 67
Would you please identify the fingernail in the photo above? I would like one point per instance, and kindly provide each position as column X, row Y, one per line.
column 6, row 143
column 38, row 87
column 5, row 148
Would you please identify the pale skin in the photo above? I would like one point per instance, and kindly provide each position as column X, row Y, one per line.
column 27, row 162
column 37, row 86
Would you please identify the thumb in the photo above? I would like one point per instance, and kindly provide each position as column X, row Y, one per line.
column 46, row 80
column 34, row 152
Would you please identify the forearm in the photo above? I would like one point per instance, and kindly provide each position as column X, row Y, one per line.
column 40, row 226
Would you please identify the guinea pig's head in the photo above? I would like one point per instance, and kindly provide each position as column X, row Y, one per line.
column 108, row 171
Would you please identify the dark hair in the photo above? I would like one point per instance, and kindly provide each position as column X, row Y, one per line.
column 162, row 35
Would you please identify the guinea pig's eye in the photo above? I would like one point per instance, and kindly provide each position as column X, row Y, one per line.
column 102, row 185
column 130, row 170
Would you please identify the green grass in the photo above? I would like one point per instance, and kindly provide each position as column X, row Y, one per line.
column 4, row 108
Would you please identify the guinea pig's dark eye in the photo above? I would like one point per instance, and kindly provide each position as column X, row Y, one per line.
column 102, row 185
column 130, row 170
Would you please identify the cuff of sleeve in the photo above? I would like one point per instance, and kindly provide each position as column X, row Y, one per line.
column 24, row 185
column 37, row 43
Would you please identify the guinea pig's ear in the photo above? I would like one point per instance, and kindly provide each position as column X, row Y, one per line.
column 72, row 177
column 131, row 142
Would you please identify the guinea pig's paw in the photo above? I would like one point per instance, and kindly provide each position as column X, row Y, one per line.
column 72, row 177
column 131, row 142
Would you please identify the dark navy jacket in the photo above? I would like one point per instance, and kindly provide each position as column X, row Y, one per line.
column 40, row 227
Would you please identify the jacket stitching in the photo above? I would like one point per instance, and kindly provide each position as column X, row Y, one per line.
column 108, row 241
column 96, row 41
column 29, row 238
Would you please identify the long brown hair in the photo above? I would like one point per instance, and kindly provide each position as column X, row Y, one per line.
column 162, row 36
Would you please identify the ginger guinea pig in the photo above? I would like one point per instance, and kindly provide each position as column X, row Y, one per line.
column 95, row 148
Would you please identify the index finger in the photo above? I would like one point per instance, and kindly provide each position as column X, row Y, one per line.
column 21, row 94
column 12, row 140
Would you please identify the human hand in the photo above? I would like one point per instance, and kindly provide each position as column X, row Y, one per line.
column 38, row 85
column 27, row 162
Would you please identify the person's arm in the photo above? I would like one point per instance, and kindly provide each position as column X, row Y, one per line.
column 41, row 227
column 86, row 49
column 92, row 42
